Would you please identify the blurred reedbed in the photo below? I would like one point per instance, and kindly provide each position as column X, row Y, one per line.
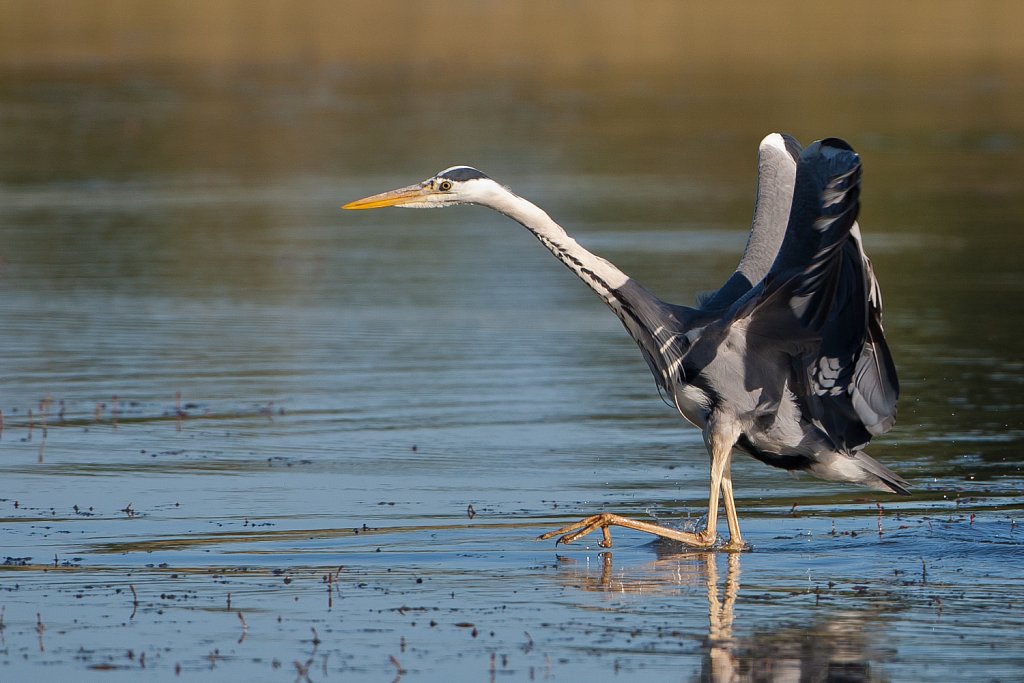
column 459, row 38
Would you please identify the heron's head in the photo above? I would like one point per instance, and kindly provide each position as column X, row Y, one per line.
column 455, row 185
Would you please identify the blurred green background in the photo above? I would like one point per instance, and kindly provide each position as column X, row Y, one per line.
column 632, row 86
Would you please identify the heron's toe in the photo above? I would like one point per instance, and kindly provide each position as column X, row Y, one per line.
column 706, row 538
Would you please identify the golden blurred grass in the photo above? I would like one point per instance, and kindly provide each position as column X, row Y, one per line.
column 544, row 37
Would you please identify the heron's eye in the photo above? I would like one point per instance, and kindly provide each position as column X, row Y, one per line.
column 445, row 185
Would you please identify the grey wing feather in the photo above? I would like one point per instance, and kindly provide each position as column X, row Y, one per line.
column 876, row 386
column 820, row 303
column 777, row 157
column 656, row 326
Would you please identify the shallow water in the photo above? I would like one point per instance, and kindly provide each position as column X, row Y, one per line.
column 246, row 436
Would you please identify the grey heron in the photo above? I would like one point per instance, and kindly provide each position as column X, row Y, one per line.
column 787, row 361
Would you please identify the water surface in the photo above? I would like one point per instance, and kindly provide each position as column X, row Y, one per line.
column 248, row 437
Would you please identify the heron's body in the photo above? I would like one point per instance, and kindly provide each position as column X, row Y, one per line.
column 786, row 361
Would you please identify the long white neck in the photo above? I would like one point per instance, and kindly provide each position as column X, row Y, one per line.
column 649, row 321
column 600, row 275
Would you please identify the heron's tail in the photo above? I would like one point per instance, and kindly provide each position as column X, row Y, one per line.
column 860, row 468
column 883, row 479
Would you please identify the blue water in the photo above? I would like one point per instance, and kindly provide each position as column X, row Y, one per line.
column 238, row 391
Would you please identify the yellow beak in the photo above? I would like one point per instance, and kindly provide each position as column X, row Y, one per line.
column 403, row 195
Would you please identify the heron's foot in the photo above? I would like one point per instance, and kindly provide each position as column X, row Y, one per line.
column 737, row 545
column 576, row 530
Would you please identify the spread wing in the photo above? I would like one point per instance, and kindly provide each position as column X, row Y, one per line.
column 820, row 303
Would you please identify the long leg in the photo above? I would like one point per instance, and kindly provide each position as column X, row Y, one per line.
column 719, row 443
column 576, row 530
column 735, row 538
column 719, row 466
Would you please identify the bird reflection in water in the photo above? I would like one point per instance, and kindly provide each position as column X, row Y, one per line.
column 830, row 650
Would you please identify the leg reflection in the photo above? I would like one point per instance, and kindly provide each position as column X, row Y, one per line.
column 835, row 645
column 721, row 664
column 720, row 612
